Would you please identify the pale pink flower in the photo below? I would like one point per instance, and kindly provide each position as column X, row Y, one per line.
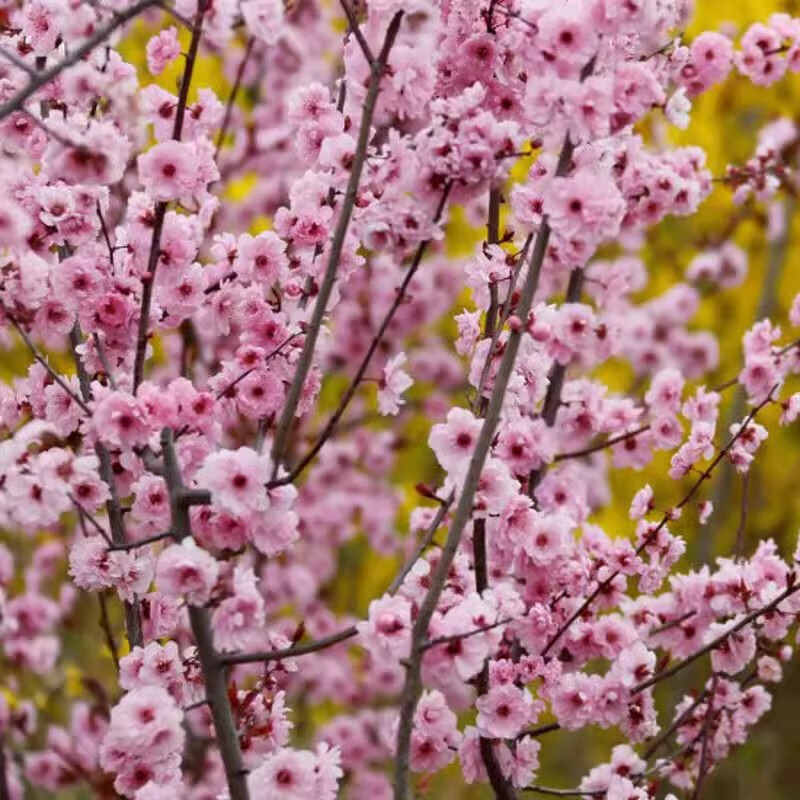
column 288, row 774
column 261, row 258
column 162, row 48
column 236, row 480
column 711, row 59
column 264, row 19
column 736, row 650
column 504, row 711
column 387, row 630
column 586, row 206
column 547, row 539
column 394, row 382
column 642, row 502
column 239, row 620
column 454, row 440
column 664, row 394
column 170, row 170
column 119, row 420
column 186, row 570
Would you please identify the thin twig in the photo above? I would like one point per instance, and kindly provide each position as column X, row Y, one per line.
column 149, row 278
column 157, row 537
column 540, row 731
column 328, row 641
column 665, row 736
column 742, row 527
column 105, row 624
column 133, row 623
column 550, row 792
column 751, row 617
column 85, row 516
column 555, row 386
column 323, row 643
column 17, row 61
column 424, row 543
column 337, row 245
column 502, row 787
column 356, row 31
column 5, row 792
column 413, row 683
column 358, row 378
column 237, row 83
column 41, row 79
column 213, row 670
column 703, row 768
column 702, row 478
column 44, row 362
column 456, row 637
column 596, row 448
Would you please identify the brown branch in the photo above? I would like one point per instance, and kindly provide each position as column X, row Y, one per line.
column 337, row 245
column 17, row 61
column 34, row 351
column 116, row 522
column 704, row 476
column 105, row 625
column 149, row 278
column 665, row 736
column 751, row 617
column 5, row 792
column 703, row 768
column 413, row 683
column 742, row 527
column 456, row 637
column 356, row 31
column 17, row 102
column 328, row 641
column 323, row 643
column 424, row 542
column 552, row 399
column 157, row 537
column 237, row 83
column 505, row 314
column 358, row 378
column 596, row 448
column 212, row 668
column 502, row 788
column 551, row 727
column 550, row 792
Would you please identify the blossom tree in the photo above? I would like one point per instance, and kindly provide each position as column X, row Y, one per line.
column 230, row 305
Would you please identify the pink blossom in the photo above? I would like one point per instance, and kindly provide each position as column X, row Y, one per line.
column 735, row 651
column 238, row 620
column 120, row 420
column 264, row 19
column 454, row 440
column 145, row 728
column 387, row 631
column 162, row 48
column 171, row 170
column 186, row 570
column 40, row 27
column 711, row 58
column 547, row 538
column 236, row 480
column 261, row 258
column 504, row 711
column 395, row 381
column 435, row 734
column 642, row 502
column 586, row 202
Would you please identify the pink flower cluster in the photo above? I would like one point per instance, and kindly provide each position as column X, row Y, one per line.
column 194, row 441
